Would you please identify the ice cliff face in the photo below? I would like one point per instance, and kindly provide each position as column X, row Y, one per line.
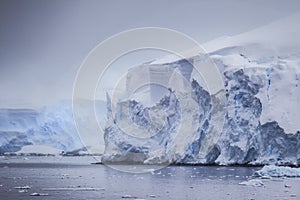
column 241, row 128
column 261, row 74
column 244, row 139
column 163, row 144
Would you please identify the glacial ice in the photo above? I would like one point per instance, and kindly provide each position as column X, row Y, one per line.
column 277, row 171
column 126, row 128
column 39, row 194
column 38, row 149
column 244, row 139
column 252, row 182
column 261, row 78
column 47, row 130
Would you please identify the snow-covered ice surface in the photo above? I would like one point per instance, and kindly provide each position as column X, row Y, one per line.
column 270, row 55
column 74, row 178
column 277, row 171
column 261, row 74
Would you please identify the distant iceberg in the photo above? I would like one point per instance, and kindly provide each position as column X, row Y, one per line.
column 47, row 130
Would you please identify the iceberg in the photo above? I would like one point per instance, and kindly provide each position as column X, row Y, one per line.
column 244, row 139
column 252, row 182
column 46, row 130
column 277, row 171
column 261, row 82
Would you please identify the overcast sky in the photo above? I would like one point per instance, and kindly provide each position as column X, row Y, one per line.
column 43, row 42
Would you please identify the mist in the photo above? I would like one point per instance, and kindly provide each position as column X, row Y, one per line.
column 43, row 43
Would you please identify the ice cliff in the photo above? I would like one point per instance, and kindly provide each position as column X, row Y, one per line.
column 260, row 70
column 245, row 139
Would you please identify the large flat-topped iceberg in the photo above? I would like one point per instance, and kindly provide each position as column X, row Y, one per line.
column 261, row 78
